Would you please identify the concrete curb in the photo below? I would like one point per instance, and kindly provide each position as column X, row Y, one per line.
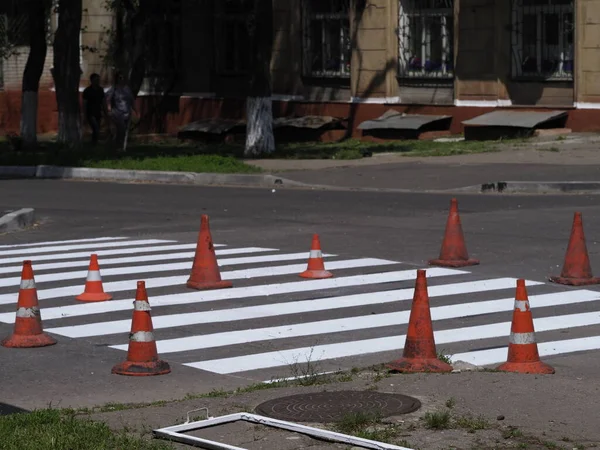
column 17, row 220
column 205, row 179
column 534, row 187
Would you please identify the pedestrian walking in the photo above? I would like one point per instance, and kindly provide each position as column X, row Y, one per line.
column 120, row 105
column 93, row 102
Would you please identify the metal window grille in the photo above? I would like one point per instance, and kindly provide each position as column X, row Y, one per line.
column 232, row 36
column 542, row 39
column 426, row 38
column 327, row 40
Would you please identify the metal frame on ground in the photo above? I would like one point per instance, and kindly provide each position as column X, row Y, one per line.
column 175, row 432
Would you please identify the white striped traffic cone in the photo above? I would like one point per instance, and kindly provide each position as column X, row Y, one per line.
column 94, row 292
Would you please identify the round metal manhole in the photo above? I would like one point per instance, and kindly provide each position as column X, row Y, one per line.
column 323, row 407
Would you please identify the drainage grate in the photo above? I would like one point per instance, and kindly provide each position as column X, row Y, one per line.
column 323, row 407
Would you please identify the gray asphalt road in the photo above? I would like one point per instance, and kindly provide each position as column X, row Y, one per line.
column 265, row 326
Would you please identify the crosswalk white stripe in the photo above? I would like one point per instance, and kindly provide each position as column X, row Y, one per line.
column 320, row 304
column 126, row 285
column 369, row 346
column 322, row 327
column 70, row 241
column 100, row 253
column 147, row 258
column 130, row 270
column 498, row 355
column 93, row 246
column 60, row 312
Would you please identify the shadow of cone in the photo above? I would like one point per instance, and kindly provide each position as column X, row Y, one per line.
column 316, row 266
column 28, row 331
column 523, row 356
column 419, row 353
column 93, row 292
column 142, row 356
column 205, row 269
column 454, row 250
column 576, row 270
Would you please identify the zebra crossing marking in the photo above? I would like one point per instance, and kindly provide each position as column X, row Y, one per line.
column 69, row 241
column 288, row 308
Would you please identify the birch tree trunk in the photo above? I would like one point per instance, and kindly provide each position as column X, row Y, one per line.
column 259, row 111
column 67, row 71
column 37, row 10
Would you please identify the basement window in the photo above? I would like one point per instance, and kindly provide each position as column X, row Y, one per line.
column 327, row 41
column 542, row 39
column 426, row 38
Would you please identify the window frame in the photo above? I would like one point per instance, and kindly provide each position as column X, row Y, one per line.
column 518, row 12
column 221, row 18
column 307, row 18
column 404, row 52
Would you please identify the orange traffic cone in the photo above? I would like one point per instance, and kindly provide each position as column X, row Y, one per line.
column 28, row 331
column 142, row 356
column 576, row 269
column 205, row 270
column 523, row 356
column 93, row 292
column 316, row 266
column 419, row 349
column 454, row 250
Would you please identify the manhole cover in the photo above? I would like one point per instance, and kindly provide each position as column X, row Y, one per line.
column 332, row 406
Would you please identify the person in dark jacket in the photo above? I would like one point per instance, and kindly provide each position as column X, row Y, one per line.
column 93, row 102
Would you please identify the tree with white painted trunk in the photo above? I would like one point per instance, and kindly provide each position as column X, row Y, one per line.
column 67, row 71
column 37, row 13
column 259, row 105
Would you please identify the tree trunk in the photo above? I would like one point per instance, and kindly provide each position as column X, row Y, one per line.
column 259, row 112
column 67, row 72
column 34, row 68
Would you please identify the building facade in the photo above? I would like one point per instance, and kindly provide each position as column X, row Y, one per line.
column 360, row 58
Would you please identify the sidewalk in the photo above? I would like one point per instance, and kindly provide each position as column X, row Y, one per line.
column 575, row 158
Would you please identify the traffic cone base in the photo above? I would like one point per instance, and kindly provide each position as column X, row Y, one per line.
column 414, row 365
column 575, row 281
column 23, row 341
column 206, row 285
column 205, row 272
column 94, row 297
column 140, row 369
column 316, row 274
column 527, row 367
column 457, row 263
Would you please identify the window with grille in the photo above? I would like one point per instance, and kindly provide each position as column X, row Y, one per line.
column 426, row 38
column 232, row 36
column 327, row 40
column 542, row 39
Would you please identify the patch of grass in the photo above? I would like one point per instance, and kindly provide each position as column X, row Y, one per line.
column 450, row 403
column 352, row 422
column 445, row 358
column 437, row 420
column 511, row 433
column 550, row 149
column 51, row 429
column 472, row 424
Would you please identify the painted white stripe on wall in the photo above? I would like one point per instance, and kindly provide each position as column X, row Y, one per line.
column 369, row 346
column 60, row 312
column 71, row 241
column 126, row 285
column 160, row 257
column 321, row 304
column 100, row 253
column 498, row 355
column 67, row 248
column 310, row 328
column 130, row 270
